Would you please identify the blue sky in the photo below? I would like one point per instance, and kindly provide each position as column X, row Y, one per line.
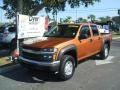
column 103, row 8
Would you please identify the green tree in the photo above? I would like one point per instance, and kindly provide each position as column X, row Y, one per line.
column 32, row 7
column 104, row 19
column 67, row 20
column 84, row 20
column 1, row 24
column 108, row 18
column 116, row 19
column 79, row 19
column 91, row 17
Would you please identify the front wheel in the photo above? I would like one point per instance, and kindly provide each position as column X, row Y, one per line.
column 104, row 52
column 67, row 67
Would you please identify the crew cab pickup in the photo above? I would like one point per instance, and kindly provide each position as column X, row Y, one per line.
column 63, row 47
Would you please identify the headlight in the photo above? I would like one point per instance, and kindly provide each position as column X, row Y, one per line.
column 47, row 57
column 48, row 50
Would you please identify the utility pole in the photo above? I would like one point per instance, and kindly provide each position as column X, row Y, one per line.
column 76, row 15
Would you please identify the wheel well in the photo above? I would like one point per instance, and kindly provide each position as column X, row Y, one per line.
column 73, row 54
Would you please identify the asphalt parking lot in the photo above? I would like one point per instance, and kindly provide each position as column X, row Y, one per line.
column 92, row 74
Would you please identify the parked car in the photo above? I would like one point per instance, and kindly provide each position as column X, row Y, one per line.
column 7, row 34
column 63, row 47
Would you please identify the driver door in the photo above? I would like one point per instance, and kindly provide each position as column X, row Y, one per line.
column 84, row 42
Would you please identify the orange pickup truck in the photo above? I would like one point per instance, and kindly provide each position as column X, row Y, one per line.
column 63, row 47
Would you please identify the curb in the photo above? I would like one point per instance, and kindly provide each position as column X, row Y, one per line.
column 8, row 67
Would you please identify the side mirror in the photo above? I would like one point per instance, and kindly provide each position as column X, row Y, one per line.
column 83, row 36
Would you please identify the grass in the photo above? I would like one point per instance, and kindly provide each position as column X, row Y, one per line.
column 114, row 34
column 4, row 57
column 4, row 61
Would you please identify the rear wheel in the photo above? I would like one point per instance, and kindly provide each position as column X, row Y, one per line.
column 104, row 52
column 67, row 67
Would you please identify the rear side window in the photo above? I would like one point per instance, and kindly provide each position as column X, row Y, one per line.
column 94, row 30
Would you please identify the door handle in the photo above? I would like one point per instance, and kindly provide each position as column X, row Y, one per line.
column 91, row 40
column 99, row 38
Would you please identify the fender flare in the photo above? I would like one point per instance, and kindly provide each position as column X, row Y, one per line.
column 67, row 49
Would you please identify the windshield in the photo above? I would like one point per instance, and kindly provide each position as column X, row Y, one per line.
column 69, row 31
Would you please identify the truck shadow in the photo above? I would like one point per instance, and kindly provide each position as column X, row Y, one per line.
column 21, row 74
column 34, row 76
column 95, row 57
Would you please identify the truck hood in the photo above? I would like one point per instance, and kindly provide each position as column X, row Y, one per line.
column 47, row 43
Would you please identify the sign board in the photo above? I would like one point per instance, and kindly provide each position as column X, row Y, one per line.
column 31, row 26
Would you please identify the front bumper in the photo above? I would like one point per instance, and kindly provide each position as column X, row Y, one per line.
column 51, row 66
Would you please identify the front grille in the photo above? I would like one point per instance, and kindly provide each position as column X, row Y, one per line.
column 31, row 48
column 35, row 57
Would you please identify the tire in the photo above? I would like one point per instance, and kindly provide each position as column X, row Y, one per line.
column 104, row 52
column 67, row 67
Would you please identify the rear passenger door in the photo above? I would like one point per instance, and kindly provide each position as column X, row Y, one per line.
column 97, row 41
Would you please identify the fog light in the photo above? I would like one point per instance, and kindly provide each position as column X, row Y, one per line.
column 50, row 57
column 47, row 56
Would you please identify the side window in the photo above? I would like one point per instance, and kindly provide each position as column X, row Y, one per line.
column 11, row 29
column 94, row 30
column 85, row 32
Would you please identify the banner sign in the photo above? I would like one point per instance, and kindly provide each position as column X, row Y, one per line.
column 31, row 26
